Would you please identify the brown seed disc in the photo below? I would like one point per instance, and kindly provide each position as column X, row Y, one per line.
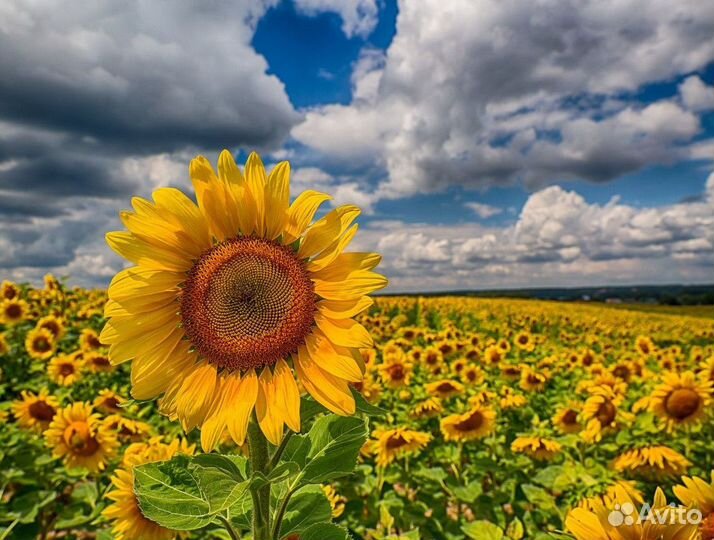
column 247, row 303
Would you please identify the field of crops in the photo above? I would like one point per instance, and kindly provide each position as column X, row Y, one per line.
column 488, row 419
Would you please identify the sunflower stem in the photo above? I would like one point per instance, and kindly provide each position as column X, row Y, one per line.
column 261, row 495
column 275, row 459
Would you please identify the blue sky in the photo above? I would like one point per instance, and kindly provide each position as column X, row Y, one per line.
column 489, row 144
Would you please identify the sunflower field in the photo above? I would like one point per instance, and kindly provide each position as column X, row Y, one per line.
column 487, row 419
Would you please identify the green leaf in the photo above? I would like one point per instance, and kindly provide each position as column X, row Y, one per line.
column 468, row 493
column 364, row 406
column 330, row 448
column 186, row 493
column 307, row 507
column 539, row 497
column 482, row 530
column 324, row 531
column 515, row 530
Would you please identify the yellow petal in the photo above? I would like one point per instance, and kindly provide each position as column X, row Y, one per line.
column 301, row 212
column 178, row 207
column 214, row 198
column 287, row 394
column 255, row 180
column 358, row 283
column 196, row 395
column 243, row 395
column 326, row 230
column 277, row 198
column 330, row 391
column 141, row 253
column 215, row 423
column 333, row 358
column 268, row 412
column 344, row 309
column 345, row 332
column 334, row 250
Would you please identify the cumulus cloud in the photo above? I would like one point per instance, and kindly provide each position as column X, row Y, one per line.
column 484, row 211
column 359, row 17
column 481, row 93
column 696, row 94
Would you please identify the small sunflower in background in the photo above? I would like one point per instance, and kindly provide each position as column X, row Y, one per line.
column 445, row 388
column 525, row 341
column 476, row 423
column 337, row 501
column 566, row 419
column 653, row 462
column 129, row 522
column 263, row 293
column 645, row 346
column 9, row 290
column 540, row 448
column 77, row 435
column 97, row 362
column 65, row 369
column 35, row 411
column 13, row 311
column 428, row 408
column 681, row 399
column 89, row 340
column 54, row 325
column 395, row 371
column 108, row 402
column 40, row 344
column 391, row 444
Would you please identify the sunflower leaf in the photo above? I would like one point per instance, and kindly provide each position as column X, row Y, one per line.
column 324, row 531
column 365, row 407
column 307, row 507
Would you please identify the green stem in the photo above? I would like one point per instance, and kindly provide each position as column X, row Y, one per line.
column 281, row 513
column 229, row 528
column 279, row 452
column 261, row 495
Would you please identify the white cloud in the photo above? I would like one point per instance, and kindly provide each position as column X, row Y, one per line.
column 696, row 95
column 482, row 210
column 359, row 17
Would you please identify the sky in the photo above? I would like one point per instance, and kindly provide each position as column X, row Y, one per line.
column 490, row 143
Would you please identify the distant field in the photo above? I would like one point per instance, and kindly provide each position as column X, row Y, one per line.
column 687, row 311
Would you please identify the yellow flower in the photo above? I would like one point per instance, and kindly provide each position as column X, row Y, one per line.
column 337, row 502
column 396, row 371
column 656, row 461
column 476, row 423
column 600, row 412
column 126, row 428
column 9, row 291
column 129, row 521
column 13, row 311
column 596, row 523
column 532, row 381
column 445, row 388
column 4, row 345
column 108, row 401
column 644, row 345
column 35, row 411
column 78, row 437
column 65, row 370
column 537, row 447
column 432, row 358
column 428, row 408
column 494, row 355
column 511, row 400
column 525, row 341
column 681, row 399
column 699, row 494
column 40, row 343
column 472, row 374
column 566, row 419
column 390, row 444
column 260, row 292
column 97, row 362
column 89, row 340
column 54, row 324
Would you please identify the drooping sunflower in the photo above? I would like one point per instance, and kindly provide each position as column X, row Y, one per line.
column 533, row 381
column 77, row 435
column 54, row 324
column 391, row 444
column 681, row 399
column 652, row 461
column 476, row 423
column 337, row 501
column 597, row 524
column 698, row 493
column 126, row 429
column 129, row 521
column 445, row 388
column 35, row 411
column 108, row 401
column 40, row 343
column 566, row 419
column 428, row 408
column 65, row 369
column 228, row 298
column 539, row 448
column 89, row 340
column 13, row 311
column 97, row 362
column 511, row 400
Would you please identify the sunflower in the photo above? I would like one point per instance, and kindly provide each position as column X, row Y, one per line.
column 126, row 429
column 525, row 341
column 65, row 369
column 644, row 345
column 108, row 401
column 538, row 448
column 337, row 501
column 13, row 311
column 655, row 461
column 395, row 371
column 79, row 438
column 610, row 492
column 432, row 358
column 706, row 369
column 89, row 340
column 390, row 444
column 40, row 343
column 476, row 423
column 597, row 524
column 35, row 411
column 681, row 400
column 428, row 408
column 370, row 389
column 698, row 493
column 97, row 362
column 600, row 412
column 511, row 400
column 9, row 290
column 445, row 388
column 472, row 374
column 54, row 324
column 532, row 381
column 129, row 521
column 493, row 355
column 566, row 419
column 511, row 372
column 259, row 290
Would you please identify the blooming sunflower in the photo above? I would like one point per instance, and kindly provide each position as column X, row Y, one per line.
column 108, row 401
column 532, row 381
column 476, row 423
column 593, row 524
column 259, row 289
column 126, row 429
column 35, row 411
column 78, row 437
column 390, row 444
column 681, row 399
column 538, row 448
column 13, row 311
column 698, row 493
column 445, row 388
column 89, row 340
column 428, row 408
column 395, row 371
column 652, row 461
column 65, row 369
column 472, row 374
column 525, row 341
column 97, row 362
column 9, row 290
column 40, row 343
column 566, row 419
column 129, row 522
column 54, row 324
column 644, row 345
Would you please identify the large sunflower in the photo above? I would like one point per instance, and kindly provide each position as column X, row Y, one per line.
column 699, row 494
column 228, row 298
column 681, row 399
